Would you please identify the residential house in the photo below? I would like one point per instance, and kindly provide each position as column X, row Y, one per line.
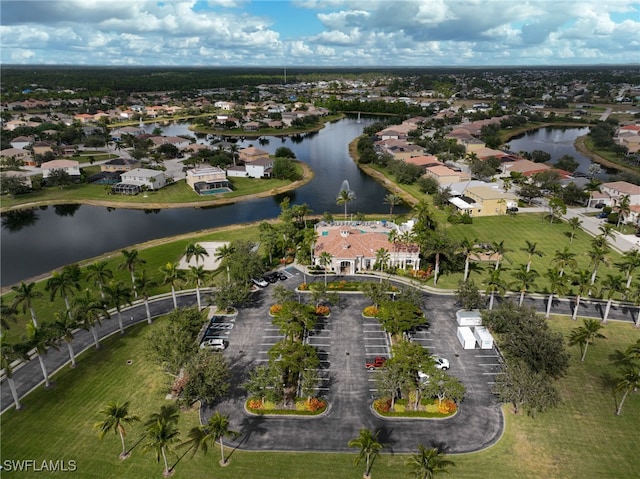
column 250, row 154
column 484, row 201
column 120, row 164
column 176, row 141
column 18, row 154
column 72, row 167
column 26, row 178
column 525, row 167
column 21, row 142
column 423, row 161
column 445, row 175
column 353, row 246
column 152, row 179
column 205, row 179
column 43, row 147
column 614, row 191
column 258, row 168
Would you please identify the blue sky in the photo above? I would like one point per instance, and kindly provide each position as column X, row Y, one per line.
column 320, row 32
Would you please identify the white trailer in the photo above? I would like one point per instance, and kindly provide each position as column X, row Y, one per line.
column 468, row 318
column 466, row 337
column 483, row 336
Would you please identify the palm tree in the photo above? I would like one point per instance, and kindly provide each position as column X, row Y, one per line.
column 325, row 259
column 130, row 263
column 592, row 186
column 426, row 463
column 574, row 223
column 145, row 285
column 629, row 263
column 198, row 275
column 607, row 231
column 392, row 200
column 25, row 293
column 223, row 253
column 195, row 250
column 627, row 382
column 531, row 250
column 611, row 285
column 116, row 416
column 525, row 279
column 41, row 338
column 499, row 249
column 369, row 447
column 582, row 280
column 557, row 284
column 382, row 258
column 438, row 245
column 344, row 198
column 8, row 354
column 63, row 282
column 584, row 335
column 117, row 295
column 597, row 255
column 64, row 326
column 494, row 285
column 215, row 430
column 88, row 311
column 99, row 273
column 468, row 248
column 564, row 259
column 623, row 208
column 172, row 276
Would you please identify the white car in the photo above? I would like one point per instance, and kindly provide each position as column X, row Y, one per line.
column 260, row 282
column 441, row 363
column 214, row 344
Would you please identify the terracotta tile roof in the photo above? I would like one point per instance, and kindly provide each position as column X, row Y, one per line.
column 347, row 242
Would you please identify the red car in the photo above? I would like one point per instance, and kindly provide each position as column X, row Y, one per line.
column 378, row 362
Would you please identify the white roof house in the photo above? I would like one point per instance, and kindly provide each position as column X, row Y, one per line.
column 72, row 167
column 152, row 179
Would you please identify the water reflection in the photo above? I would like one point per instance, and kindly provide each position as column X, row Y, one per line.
column 66, row 210
column 14, row 221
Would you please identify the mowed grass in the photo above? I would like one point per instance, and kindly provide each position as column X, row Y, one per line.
column 515, row 231
column 580, row 439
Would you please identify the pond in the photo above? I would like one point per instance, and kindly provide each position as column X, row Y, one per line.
column 37, row 241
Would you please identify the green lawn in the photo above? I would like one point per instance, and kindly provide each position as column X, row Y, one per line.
column 580, row 439
column 515, row 231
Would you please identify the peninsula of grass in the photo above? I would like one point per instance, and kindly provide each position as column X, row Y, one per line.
column 582, row 438
column 175, row 195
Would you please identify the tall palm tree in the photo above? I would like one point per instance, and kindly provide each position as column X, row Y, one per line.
column 118, row 295
column 344, row 198
column 115, row 416
column 63, row 283
column 25, row 293
column 382, row 258
column 64, row 326
column 574, row 223
column 89, row 311
column 7, row 314
column 99, row 273
column 564, row 259
column 369, row 447
column 582, row 281
column 592, row 186
column 627, row 382
column 494, row 285
column 525, row 278
column 174, row 277
column 437, row 246
column 607, row 231
column 392, row 200
column 41, row 339
column 499, row 249
column 216, row 429
column 195, row 250
column 426, row 463
column 131, row 261
column 8, row 354
column 586, row 334
column 597, row 255
column 198, row 275
column 223, row 253
column 557, row 284
column 468, row 248
column 610, row 286
column 623, row 208
column 532, row 250
column 629, row 264
column 325, row 259
column 144, row 285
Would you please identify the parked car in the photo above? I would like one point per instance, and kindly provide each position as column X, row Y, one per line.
column 214, row 344
column 271, row 277
column 378, row 362
column 281, row 276
column 512, row 209
column 602, row 215
column 441, row 363
column 260, row 282
column 599, row 205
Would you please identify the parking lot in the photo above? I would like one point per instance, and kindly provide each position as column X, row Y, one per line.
column 345, row 341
